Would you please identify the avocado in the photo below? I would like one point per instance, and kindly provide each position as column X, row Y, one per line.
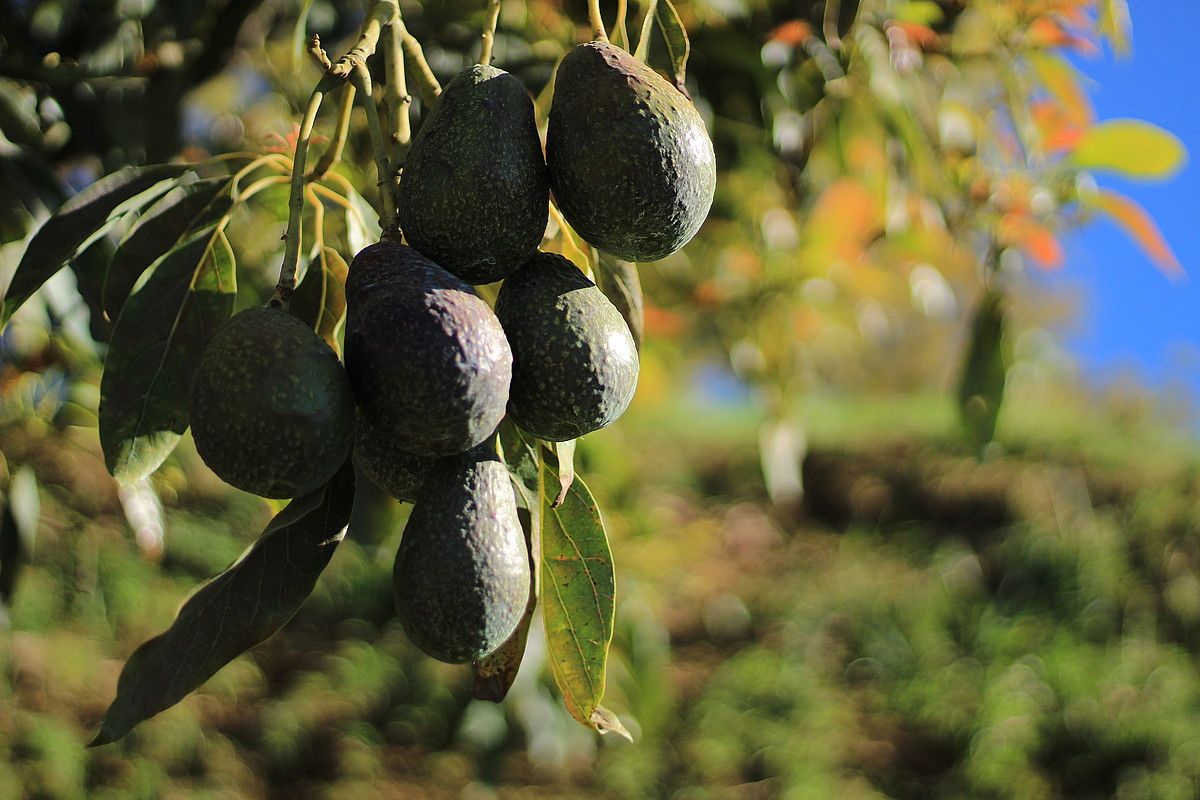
column 631, row 165
column 575, row 364
column 395, row 471
column 427, row 358
column 474, row 194
column 271, row 408
column 461, row 580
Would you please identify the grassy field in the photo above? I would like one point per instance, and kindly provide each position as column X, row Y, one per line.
column 923, row 626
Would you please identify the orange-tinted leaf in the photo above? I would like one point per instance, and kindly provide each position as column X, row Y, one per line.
column 794, row 32
column 920, row 36
column 1058, row 134
column 660, row 322
column 1140, row 226
column 843, row 221
column 1020, row 230
column 1062, row 82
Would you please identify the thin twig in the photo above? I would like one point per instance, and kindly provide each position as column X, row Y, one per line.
column 418, row 69
column 379, row 13
column 333, row 153
column 291, row 239
column 395, row 93
column 619, row 30
column 643, row 45
column 829, row 25
column 362, row 81
column 489, row 32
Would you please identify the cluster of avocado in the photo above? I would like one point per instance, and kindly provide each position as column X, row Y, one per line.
column 430, row 369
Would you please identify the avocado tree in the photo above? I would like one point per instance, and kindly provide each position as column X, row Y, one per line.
column 866, row 149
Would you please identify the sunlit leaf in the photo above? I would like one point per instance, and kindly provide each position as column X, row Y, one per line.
column 1139, row 225
column 1114, row 24
column 320, row 299
column 619, row 281
column 76, row 221
column 186, row 208
column 155, row 348
column 1020, row 230
column 1130, row 147
column 985, row 371
column 674, row 40
column 236, row 610
column 577, row 598
column 362, row 223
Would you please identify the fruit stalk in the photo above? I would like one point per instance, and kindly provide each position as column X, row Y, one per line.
column 643, row 45
column 361, row 78
column 395, row 93
column 418, row 69
column 597, row 21
column 291, row 239
column 333, row 153
column 619, row 31
column 489, row 32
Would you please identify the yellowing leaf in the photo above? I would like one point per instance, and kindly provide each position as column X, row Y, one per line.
column 1062, row 81
column 1139, row 225
column 1131, row 147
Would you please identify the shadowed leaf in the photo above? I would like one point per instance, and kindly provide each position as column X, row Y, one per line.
column 981, row 389
column 155, row 347
column 19, row 515
column 320, row 299
column 76, row 222
column 577, row 602
column 236, row 610
column 174, row 217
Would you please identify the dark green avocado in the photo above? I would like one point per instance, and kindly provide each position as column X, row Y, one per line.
column 461, row 579
column 474, row 194
column 271, row 408
column 631, row 165
column 575, row 364
column 395, row 471
column 427, row 358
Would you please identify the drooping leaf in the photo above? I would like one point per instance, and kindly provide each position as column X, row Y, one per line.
column 155, row 348
column 1131, row 147
column 619, row 281
column 985, row 371
column 1114, row 23
column 563, row 462
column 494, row 675
column 236, row 610
column 76, row 221
column 320, row 299
column 362, row 222
column 676, row 47
column 1139, row 225
column 577, row 599
column 1062, row 81
column 186, row 208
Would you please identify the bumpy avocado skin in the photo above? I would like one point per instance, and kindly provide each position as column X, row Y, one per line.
column 631, row 165
column 461, row 579
column 474, row 194
column 271, row 408
column 575, row 364
column 427, row 358
column 397, row 472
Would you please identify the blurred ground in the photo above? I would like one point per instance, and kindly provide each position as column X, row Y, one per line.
column 925, row 627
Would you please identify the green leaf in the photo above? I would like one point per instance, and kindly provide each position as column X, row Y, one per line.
column 981, row 389
column 577, row 600
column 494, row 674
column 1131, row 147
column 174, row 217
column 155, row 348
column 619, row 281
column 79, row 219
column 18, row 528
column 236, row 610
column 320, row 299
column 675, row 41
column 362, row 222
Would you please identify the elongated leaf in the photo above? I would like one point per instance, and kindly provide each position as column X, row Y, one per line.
column 619, row 281
column 981, row 388
column 494, row 675
column 186, row 208
column 320, row 299
column 577, row 601
column 236, row 610
column 1131, row 147
column 76, row 220
column 155, row 347
column 20, row 511
column 1062, row 81
column 675, row 41
column 362, row 222
column 1139, row 225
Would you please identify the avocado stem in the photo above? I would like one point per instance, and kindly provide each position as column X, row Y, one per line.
column 619, row 30
column 361, row 78
column 596, row 21
column 395, row 93
column 418, row 69
column 643, row 45
column 333, row 153
column 489, row 32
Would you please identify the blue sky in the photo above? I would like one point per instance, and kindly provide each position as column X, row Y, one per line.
column 1132, row 315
